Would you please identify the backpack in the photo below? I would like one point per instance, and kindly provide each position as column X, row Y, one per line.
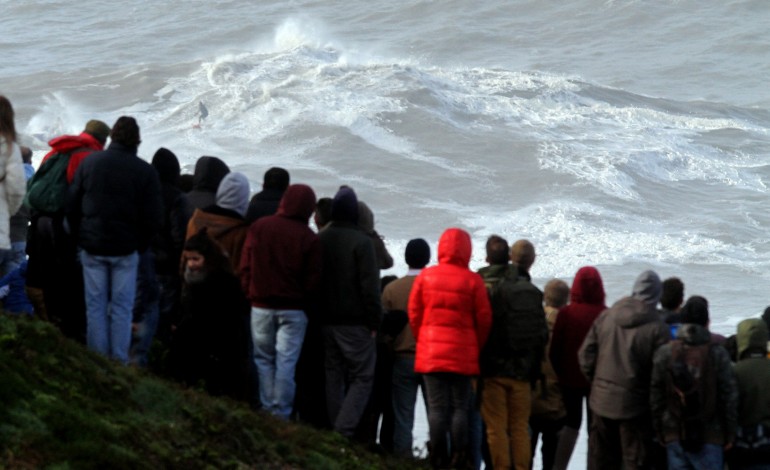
column 519, row 330
column 47, row 189
column 690, row 375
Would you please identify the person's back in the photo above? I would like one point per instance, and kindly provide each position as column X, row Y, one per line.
column 616, row 357
column 351, row 312
column 208, row 174
column 266, row 202
column 114, row 211
column 693, row 395
column 450, row 317
column 752, row 373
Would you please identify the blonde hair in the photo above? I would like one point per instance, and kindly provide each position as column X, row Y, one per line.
column 556, row 293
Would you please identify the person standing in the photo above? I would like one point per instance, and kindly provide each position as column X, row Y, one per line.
column 510, row 361
column 266, row 202
column 12, row 180
column 616, row 357
column 114, row 211
column 693, row 394
column 405, row 381
column 571, row 327
column 280, row 273
column 450, row 316
column 351, row 311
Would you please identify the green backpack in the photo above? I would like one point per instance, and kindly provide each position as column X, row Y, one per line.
column 47, row 189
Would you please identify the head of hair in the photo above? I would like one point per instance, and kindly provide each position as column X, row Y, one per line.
column 323, row 212
column 125, row 132
column 523, row 253
column 276, row 178
column 26, row 154
column 696, row 310
column 556, row 293
column 385, row 280
column 215, row 259
column 672, row 295
column 7, row 125
column 98, row 129
column 497, row 250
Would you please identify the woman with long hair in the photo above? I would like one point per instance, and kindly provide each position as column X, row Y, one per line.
column 12, row 182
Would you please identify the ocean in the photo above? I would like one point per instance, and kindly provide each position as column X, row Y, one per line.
column 623, row 134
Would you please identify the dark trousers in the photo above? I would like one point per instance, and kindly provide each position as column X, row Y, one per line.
column 620, row 443
column 548, row 430
column 449, row 397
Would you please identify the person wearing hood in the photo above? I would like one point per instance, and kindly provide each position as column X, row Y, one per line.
column 616, row 358
column 366, row 223
column 280, row 273
column 351, row 311
column 450, row 316
column 752, row 372
column 92, row 139
column 694, row 439
column 158, row 282
column 225, row 218
column 266, row 202
column 570, row 330
column 208, row 174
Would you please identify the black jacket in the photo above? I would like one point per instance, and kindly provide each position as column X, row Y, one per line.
column 114, row 206
column 264, row 203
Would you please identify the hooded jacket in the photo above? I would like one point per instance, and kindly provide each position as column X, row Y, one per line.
column 449, row 310
column 281, row 260
column 209, row 172
column 176, row 214
column 224, row 220
column 350, row 281
column 572, row 325
column 616, row 356
column 752, row 373
column 366, row 223
column 719, row 397
column 85, row 144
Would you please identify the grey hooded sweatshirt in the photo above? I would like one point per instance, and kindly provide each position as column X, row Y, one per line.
column 616, row 356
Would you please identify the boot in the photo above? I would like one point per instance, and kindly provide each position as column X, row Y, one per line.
column 567, row 439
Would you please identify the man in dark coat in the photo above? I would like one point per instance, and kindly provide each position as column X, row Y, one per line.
column 351, row 312
column 114, row 210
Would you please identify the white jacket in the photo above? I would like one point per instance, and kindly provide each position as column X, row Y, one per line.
column 13, row 186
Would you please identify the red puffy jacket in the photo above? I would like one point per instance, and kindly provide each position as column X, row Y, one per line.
column 449, row 310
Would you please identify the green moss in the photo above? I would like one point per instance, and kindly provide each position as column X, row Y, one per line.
column 64, row 407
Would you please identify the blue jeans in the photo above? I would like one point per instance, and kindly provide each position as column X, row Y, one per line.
column 710, row 457
column 278, row 337
column 110, row 287
column 405, row 384
column 146, row 308
column 11, row 259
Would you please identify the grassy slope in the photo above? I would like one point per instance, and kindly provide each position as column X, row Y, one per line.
column 64, row 407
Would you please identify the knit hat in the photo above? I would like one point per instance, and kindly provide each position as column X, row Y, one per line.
column 98, row 129
column 417, row 253
column 233, row 193
column 696, row 310
column 648, row 288
column 345, row 206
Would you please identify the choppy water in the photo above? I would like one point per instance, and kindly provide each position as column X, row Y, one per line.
column 620, row 134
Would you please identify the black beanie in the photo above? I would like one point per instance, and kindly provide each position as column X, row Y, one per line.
column 417, row 253
column 696, row 310
column 345, row 206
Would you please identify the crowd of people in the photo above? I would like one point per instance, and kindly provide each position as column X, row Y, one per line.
column 193, row 277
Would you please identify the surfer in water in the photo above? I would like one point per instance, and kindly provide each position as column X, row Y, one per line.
column 202, row 113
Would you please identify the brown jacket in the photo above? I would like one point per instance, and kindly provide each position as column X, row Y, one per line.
column 546, row 397
column 229, row 233
column 396, row 297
